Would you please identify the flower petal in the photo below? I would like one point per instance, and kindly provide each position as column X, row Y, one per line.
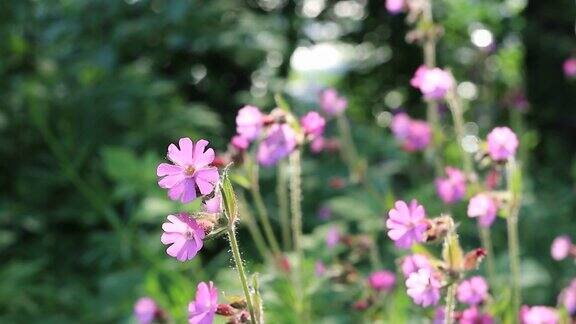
column 202, row 158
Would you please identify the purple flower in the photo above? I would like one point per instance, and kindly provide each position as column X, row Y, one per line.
column 413, row 263
column 331, row 103
column 319, row 269
column 569, row 67
column 382, row 281
column 191, row 172
column 484, row 207
column 568, row 298
column 439, row 316
column 423, row 288
column 145, row 310
column 472, row 291
column 240, row 143
column 203, row 308
column 433, row 83
column 538, row 315
column 473, row 316
column 419, row 136
column 400, row 125
column 561, row 247
column 502, row 143
column 452, row 188
column 279, row 142
column 249, row 122
column 395, row 6
column 332, row 237
column 406, row 224
column 324, row 213
column 313, row 124
column 184, row 236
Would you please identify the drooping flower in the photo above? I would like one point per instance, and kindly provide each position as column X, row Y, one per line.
column 203, row 308
column 382, row 281
column 569, row 67
column 484, row 207
column 539, row 315
column 568, row 298
column 332, row 237
column 561, row 247
column 279, row 142
column 331, row 102
column 191, row 172
column 184, row 236
column 419, row 136
column 434, row 83
column 413, row 263
column 395, row 6
column 473, row 291
column 502, row 143
column 240, row 143
column 313, row 124
column 406, row 224
column 473, row 315
column 423, row 288
column 249, row 122
column 145, row 310
column 451, row 188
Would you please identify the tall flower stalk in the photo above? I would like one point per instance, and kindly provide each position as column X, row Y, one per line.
column 296, row 209
column 283, row 208
column 514, row 182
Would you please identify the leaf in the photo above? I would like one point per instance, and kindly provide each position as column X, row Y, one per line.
column 228, row 198
column 452, row 252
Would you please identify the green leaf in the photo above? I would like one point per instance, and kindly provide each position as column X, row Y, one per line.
column 228, row 197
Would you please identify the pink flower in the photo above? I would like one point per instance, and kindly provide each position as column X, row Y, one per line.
column 472, row 291
column 279, row 142
column 395, row 6
column 406, row 225
column 484, row 207
column 319, row 269
column 561, row 247
column 400, row 125
column 419, row 136
column 568, row 298
column 145, row 310
column 413, row 263
column 331, row 103
column 203, row 308
column 452, row 188
column 538, row 315
column 569, row 67
column 382, row 281
column 213, row 205
column 240, row 143
column 433, row 83
column 473, row 316
column 423, row 288
column 191, row 171
column 249, row 122
column 184, row 236
column 502, row 143
column 439, row 316
column 313, row 124
column 318, row 144
column 332, row 237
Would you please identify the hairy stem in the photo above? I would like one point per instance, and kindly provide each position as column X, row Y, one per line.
column 282, row 193
column 450, row 303
column 514, row 255
column 296, row 208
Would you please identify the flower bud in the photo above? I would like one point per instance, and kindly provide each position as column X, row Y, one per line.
column 473, row 259
column 225, row 310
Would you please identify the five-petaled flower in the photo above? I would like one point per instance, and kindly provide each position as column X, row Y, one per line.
column 407, row 224
column 502, row 143
column 434, row 83
column 249, row 122
column 484, row 207
column 204, row 306
column 191, row 174
column 473, row 291
column 424, row 288
column 184, row 235
column 331, row 102
column 451, row 188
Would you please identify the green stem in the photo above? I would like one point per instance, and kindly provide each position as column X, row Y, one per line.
column 282, row 193
column 240, row 269
column 262, row 211
column 296, row 208
column 458, row 117
column 349, row 151
column 450, row 303
column 486, row 240
column 514, row 255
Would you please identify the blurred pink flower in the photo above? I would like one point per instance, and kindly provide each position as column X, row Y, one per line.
column 451, row 188
column 184, row 236
column 539, row 315
column 332, row 237
column 203, row 308
column 439, row 316
column 395, row 6
column 473, row 315
column 191, row 171
column 561, row 247
column 279, row 142
column 502, row 143
column 382, row 281
column 568, row 298
column 213, row 205
column 319, row 269
column 313, row 124
column 413, row 263
column 473, row 291
column 484, row 207
column 406, row 224
column 240, row 143
column 400, row 125
column 419, row 136
column 249, row 122
column 318, row 144
column 423, row 288
column 434, row 83
column 331, row 103
column 145, row 310
column 569, row 67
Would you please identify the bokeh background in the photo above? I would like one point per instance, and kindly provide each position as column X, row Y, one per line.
column 92, row 91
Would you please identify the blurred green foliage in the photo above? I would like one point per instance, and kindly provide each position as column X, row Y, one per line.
column 93, row 91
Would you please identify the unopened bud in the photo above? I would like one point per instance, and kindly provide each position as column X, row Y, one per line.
column 225, row 310
column 473, row 258
column 438, row 228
